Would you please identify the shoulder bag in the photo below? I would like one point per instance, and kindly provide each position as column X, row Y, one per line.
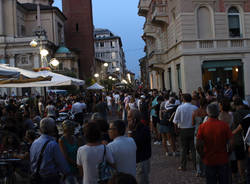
column 35, row 178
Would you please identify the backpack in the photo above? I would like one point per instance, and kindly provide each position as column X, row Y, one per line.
column 105, row 171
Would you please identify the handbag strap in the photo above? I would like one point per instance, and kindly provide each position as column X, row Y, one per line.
column 41, row 156
column 104, row 153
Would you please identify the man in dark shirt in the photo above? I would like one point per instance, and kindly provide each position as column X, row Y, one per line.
column 141, row 134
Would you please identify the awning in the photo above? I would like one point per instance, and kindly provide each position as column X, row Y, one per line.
column 42, row 79
column 221, row 63
column 95, row 86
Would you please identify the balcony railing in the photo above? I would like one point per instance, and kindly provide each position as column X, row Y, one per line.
column 144, row 7
column 160, row 12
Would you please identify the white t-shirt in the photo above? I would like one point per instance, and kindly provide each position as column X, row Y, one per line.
column 117, row 98
column 109, row 100
column 78, row 107
column 89, row 157
column 124, row 152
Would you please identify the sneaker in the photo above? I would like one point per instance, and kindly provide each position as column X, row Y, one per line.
column 167, row 154
column 174, row 154
column 168, row 143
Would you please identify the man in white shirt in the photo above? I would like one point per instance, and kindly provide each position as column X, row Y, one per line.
column 116, row 99
column 183, row 118
column 78, row 109
column 123, row 148
column 109, row 103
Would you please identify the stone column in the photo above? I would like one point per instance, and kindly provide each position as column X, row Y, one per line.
column 1, row 17
column 36, row 61
column 12, row 63
column 12, row 59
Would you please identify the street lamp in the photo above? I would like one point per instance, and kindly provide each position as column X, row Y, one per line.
column 33, row 43
column 110, row 77
column 113, row 79
column 44, row 52
column 96, row 75
column 54, row 62
column 117, row 69
column 105, row 64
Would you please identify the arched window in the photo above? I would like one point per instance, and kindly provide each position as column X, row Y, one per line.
column 204, row 23
column 234, row 22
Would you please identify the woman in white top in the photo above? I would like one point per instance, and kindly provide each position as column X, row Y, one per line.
column 90, row 155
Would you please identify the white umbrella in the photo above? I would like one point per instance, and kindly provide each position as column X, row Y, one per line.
column 57, row 79
column 96, row 86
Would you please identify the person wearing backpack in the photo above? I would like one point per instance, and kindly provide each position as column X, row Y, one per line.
column 166, row 126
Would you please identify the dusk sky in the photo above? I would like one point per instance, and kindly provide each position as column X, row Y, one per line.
column 120, row 17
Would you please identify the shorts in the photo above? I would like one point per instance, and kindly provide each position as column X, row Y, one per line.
column 110, row 107
column 240, row 153
column 155, row 120
column 164, row 129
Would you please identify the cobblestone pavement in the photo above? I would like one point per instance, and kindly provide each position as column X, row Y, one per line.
column 164, row 169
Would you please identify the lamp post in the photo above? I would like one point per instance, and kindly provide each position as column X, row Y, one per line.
column 42, row 51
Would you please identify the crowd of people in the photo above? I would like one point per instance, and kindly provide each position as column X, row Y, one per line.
column 114, row 130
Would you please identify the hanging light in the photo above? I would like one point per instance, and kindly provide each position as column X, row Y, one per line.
column 110, row 77
column 54, row 62
column 106, row 64
column 44, row 52
column 113, row 79
column 96, row 75
column 33, row 43
column 117, row 69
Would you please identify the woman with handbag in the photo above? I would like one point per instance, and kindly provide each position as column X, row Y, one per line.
column 91, row 155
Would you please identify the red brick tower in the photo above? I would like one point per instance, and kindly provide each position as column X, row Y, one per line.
column 79, row 33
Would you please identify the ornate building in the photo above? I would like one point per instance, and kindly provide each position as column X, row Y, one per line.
column 18, row 23
column 108, row 47
column 192, row 43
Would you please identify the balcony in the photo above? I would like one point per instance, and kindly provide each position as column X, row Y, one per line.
column 160, row 13
column 143, row 7
column 149, row 31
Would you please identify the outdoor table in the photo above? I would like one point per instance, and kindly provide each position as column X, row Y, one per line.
column 8, row 165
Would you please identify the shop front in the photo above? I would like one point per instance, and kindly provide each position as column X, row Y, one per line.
column 221, row 72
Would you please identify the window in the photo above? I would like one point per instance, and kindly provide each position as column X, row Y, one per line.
column 23, row 60
column 170, row 78
column 60, row 34
column 97, row 44
column 112, row 44
column 178, row 68
column 204, row 23
column 234, row 22
column 77, row 27
column 23, row 30
column 101, row 44
column 113, row 55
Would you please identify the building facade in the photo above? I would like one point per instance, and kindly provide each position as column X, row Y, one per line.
column 192, row 43
column 18, row 23
column 108, row 48
column 79, row 34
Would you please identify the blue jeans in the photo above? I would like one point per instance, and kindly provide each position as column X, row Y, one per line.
column 217, row 173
